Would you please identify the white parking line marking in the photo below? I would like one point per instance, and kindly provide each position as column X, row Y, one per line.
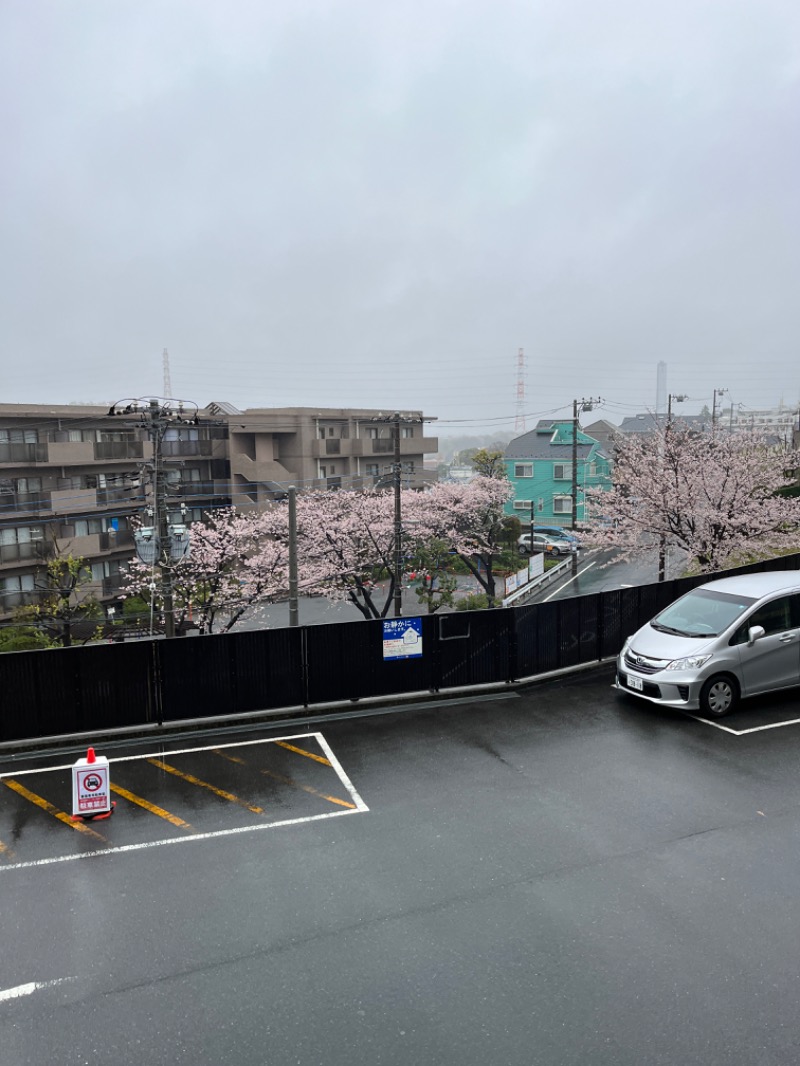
column 182, row 840
column 31, row 987
column 744, row 732
column 163, row 751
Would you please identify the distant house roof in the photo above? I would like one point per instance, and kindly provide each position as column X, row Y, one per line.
column 536, row 444
column 648, row 422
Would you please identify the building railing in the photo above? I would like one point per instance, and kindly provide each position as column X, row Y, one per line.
column 186, row 447
column 23, row 453
column 24, row 503
column 118, row 449
column 32, row 549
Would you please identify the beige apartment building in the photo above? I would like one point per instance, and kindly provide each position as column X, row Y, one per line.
column 74, row 478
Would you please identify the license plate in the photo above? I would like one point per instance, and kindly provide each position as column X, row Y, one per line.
column 635, row 683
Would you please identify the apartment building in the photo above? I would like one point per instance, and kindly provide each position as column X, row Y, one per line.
column 74, row 478
column 319, row 448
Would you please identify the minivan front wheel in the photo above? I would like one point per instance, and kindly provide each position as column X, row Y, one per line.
column 719, row 695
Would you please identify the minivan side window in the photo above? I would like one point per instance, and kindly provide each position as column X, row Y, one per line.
column 776, row 617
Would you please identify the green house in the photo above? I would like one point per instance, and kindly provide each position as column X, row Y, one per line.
column 539, row 466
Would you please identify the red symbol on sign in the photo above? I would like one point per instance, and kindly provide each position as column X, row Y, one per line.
column 92, row 782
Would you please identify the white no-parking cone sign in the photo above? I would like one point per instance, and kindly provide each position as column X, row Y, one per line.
column 91, row 788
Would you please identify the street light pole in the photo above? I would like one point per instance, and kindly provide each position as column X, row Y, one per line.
column 577, row 407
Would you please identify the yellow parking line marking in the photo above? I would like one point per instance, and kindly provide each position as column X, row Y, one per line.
column 6, row 852
column 56, row 813
column 204, row 784
column 300, row 751
column 152, row 807
column 289, row 781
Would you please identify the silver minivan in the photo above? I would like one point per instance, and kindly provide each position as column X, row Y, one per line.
column 732, row 638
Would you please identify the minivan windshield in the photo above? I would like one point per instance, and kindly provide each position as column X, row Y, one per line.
column 701, row 613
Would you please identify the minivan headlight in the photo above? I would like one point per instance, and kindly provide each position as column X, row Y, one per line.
column 691, row 662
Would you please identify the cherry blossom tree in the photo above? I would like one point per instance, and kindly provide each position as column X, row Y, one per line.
column 468, row 517
column 714, row 496
column 237, row 560
column 346, row 547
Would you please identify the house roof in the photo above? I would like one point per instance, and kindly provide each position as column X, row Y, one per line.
column 536, row 445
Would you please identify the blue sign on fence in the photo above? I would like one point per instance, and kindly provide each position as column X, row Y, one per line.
column 402, row 638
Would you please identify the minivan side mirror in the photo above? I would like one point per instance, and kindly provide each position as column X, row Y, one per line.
column 755, row 633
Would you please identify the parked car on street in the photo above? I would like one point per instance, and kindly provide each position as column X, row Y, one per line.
column 728, row 639
column 544, row 543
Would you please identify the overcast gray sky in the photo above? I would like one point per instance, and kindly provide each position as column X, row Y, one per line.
column 375, row 203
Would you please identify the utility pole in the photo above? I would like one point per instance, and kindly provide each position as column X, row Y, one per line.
column 662, row 540
column 577, row 407
column 293, row 612
column 720, row 393
column 164, row 543
column 397, row 469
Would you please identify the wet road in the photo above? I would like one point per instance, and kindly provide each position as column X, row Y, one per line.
column 559, row 876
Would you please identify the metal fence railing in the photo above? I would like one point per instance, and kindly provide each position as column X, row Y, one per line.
column 106, row 687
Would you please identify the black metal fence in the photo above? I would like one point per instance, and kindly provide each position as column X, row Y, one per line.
column 102, row 687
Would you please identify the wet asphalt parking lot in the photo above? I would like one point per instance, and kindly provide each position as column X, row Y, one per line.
column 556, row 875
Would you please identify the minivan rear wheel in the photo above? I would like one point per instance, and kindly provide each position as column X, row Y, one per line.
column 719, row 695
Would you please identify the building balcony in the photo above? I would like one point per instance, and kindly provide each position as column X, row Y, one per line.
column 187, row 447
column 104, row 497
column 73, row 501
column 119, row 449
column 70, row 452
column 14, row 504
column 35, row 550
column 24, row 454
column 9, row 601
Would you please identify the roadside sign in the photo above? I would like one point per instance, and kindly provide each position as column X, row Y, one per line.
column 91, row 794
column 402, row 638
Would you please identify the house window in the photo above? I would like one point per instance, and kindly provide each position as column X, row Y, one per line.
column 523, row 505
column 591, row 470
column 562, row 471
column 562, row 505
column 523, row 469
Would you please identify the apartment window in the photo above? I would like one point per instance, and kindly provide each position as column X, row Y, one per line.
column 523, row 469
column 108, row 568
column 84, row 527
column 321, row 433
column 17, row 583
column 406, row 431
column 562, row 471
column 373, row 469
column 19, row 436
column 371, row 432
column 21, row 534
column 28, row 484
column 562, row 505
column 523, row 505
column 330, row 431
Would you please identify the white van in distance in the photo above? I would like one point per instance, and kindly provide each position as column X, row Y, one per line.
column 732, row 638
